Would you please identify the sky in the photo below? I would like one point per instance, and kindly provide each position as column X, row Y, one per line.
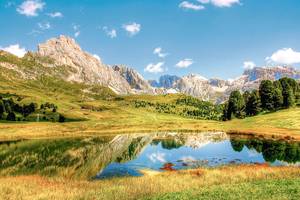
column 213, row 38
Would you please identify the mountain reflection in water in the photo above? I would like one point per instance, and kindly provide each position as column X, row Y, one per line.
column 122, row 155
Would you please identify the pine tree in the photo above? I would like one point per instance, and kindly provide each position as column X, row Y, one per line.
column 287, row 93
column 1, row 109
column 246, row 96
column 225, row 112
column 253, row 104
column 236, row 105
column 278, row 99
column 266, row 92
column 11, row 116
column 61, row 118
column 297, row 95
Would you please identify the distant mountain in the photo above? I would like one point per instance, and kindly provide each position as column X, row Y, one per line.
column 63, row 58
column 136, row 81
column 165, row 81
column 271, row 73
column 218, row 90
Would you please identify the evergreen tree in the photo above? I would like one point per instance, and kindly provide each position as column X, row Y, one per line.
column 61, row 118
column 225, row 112
column 246, row 96
column 287, row 93
column 253, row 104
column 278, row 98
column 236, row 105
column 1, row 109
column 11, row 116
column 297, row 95
column 266, row 92
column 293, row 84
column 7, row 107
column 277, row 84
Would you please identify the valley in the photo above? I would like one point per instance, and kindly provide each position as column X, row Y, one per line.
column 115, row 122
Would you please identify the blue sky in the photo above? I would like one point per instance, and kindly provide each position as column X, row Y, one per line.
column 214, row 38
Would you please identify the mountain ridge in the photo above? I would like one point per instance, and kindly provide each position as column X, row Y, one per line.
column 62, row 57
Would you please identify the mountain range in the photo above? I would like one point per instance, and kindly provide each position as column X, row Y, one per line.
column 63, row 58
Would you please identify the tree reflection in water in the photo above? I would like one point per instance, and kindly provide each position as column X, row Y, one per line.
column 271, row 150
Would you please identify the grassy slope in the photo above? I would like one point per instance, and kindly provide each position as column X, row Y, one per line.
column 231, row 182
column 116, row 116
column 121, row 117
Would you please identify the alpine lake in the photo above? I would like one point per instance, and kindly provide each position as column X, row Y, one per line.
column 111, row 156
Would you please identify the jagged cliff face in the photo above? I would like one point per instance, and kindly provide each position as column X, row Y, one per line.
column 136, row 81
column 87, row 69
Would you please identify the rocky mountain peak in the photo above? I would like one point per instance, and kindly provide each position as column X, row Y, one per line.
column 135, row 79
column 271, row 73
column 88, row 69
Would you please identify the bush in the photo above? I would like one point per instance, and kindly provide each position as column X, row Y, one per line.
column 11, row 116
column 61, row 118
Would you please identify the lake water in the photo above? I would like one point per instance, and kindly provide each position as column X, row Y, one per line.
column 126, row 155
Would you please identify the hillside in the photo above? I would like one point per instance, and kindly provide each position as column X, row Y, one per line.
column 60, row 73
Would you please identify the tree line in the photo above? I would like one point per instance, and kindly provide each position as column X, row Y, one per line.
column 271, row 96
column 186, row 106
column 13, row 110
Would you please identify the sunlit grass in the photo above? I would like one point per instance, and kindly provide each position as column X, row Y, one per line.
column 260, row 179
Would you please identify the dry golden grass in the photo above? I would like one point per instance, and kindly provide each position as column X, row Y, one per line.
column 36, row 187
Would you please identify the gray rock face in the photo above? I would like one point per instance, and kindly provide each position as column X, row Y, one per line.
column 136, row 81
column 65, row 51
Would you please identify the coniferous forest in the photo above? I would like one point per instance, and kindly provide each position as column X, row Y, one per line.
column 271, row 96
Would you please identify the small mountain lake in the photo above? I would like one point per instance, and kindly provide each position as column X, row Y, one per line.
column 128, row 154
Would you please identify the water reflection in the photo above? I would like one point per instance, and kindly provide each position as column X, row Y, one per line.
column 102, row 157
column 271, row 150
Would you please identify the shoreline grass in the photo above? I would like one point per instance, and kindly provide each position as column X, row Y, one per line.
column 215, row 182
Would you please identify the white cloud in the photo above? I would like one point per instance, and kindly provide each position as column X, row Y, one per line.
column 185, row 63
column 55, row 15
column 97, row 57
column 157, row 157
column 31, row 8
column 154, row 68
column 110, row 33
column 220, row 3
column 76, row 29
column 225, row 3
column 190, row 6
column 15, row 49
column 44, row 26
column 249, row 65
column 285, row 56
column 158, row 51
column 132, row 28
